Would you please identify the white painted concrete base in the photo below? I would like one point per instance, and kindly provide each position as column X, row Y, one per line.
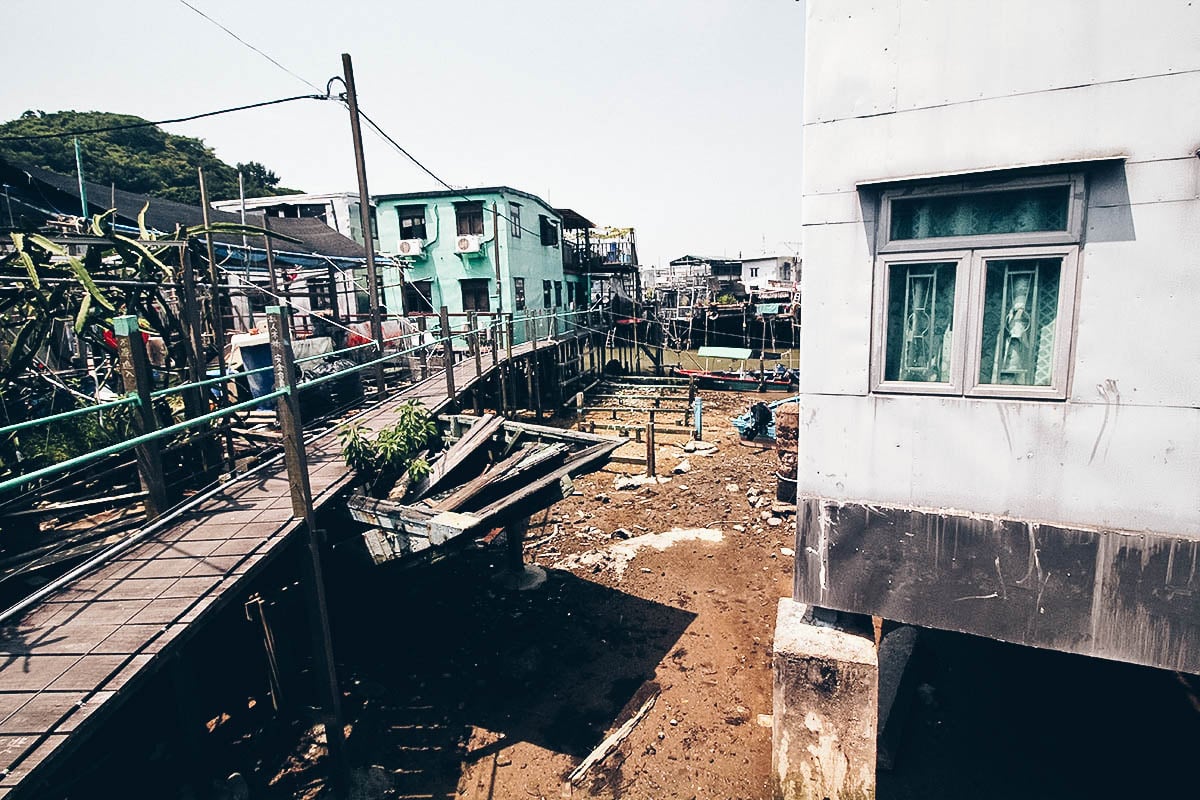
column 530, row 577
column 826, row 697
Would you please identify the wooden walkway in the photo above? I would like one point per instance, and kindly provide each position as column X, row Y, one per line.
column 82, row 651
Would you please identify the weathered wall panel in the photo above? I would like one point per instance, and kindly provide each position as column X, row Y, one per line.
column 836, row 286
column 1126, row 467
column 1129, row 597
column 1066, row 125
column 1137, row 309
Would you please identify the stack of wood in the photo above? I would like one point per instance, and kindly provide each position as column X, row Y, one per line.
column 494, row 476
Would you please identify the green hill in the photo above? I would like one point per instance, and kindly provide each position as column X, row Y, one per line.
column 145, row 160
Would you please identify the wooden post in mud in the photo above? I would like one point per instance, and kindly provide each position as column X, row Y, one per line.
column 650, row 464
column 135, row 374
column 447, row 352
column 288, row 409
column 422, row 325
column 514, row 534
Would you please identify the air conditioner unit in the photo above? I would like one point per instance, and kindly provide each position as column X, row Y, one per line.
column 411, row 247
column 467, row 244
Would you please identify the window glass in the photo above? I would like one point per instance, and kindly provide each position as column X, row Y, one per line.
column 545, row 294
column 920, row 322
column 519, row 294
column 549, row 231
column 418, row 297
column 558, row 293
column 412, row 221
column 1020, row 310
column 469, row 216
column 1030, row 210
column 514, row 217
column 320, row 294
column 475, row 294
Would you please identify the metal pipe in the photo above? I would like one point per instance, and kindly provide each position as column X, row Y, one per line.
column 124, row 401
column 87, row 458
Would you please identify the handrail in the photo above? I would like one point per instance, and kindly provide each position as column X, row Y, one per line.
column 119, row 447
column 331, row 353
column 206, row 382
column 75, row 412
column 357, row 367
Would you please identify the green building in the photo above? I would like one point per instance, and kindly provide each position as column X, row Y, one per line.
column 489, row 250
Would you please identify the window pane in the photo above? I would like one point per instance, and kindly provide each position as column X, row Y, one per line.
column 1013, row 211
column 1020, row 309
column 920, row 322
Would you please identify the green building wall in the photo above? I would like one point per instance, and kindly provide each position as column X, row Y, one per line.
column 521, row 256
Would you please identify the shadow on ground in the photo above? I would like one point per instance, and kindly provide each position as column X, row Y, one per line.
column 427, row 653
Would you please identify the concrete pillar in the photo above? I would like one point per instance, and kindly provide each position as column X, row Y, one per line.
column 826, row 697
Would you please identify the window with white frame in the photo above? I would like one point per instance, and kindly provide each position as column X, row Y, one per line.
column 975, row 288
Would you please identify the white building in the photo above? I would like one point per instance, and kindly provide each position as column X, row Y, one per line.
column 778, row 274
column 338, row 210
column 1000, row 392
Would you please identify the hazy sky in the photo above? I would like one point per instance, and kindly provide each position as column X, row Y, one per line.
column 678, row 117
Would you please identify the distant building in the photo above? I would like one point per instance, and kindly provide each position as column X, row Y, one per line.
column 770, row 274
column 488, row 250
column 716, row 276
column 1000, row 402
column 338, row 210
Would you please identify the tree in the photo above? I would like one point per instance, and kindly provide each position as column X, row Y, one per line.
column 146, row 160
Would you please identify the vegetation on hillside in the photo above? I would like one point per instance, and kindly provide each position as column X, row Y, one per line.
column 144, row 160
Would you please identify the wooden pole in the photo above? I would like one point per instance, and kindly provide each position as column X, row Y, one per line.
column 650, row 465
column 422, row 326
column 364, row 208
column 579, row 401
column 447, row 353
column 193, row 398
column 214, row 278
column 288, row 410
column 135, row 375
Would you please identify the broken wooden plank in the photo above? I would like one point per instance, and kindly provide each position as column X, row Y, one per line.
column 458, row 453
column 388, row 514
column 605, row 749
column 464, row 493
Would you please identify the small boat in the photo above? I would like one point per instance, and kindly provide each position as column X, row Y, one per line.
column 779, row 379
column 738, row 380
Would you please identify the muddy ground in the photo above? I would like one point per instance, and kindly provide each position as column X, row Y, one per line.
column 460, row 689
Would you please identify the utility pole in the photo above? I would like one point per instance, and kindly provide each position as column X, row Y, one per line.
column 82, row 187
column 364, row 208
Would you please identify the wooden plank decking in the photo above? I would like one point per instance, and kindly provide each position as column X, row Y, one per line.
column 76, row 655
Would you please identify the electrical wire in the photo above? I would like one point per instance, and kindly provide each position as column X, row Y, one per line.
column 133, row 125
column 252, row 47
column 399, row 147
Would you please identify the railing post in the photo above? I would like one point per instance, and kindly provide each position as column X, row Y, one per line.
column 476, row 345
column 508, row 336
column 447, row 352
column 288, row 409
column 422, row 325
column 135, row 374
column 650, row 465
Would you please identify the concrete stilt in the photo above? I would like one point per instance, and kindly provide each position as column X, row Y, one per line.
column 826, row 696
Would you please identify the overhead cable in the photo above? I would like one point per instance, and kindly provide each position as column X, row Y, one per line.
column 132, row 125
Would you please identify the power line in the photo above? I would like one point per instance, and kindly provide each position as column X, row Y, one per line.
column 132, row 125
column 435, row 176
column 252, row 47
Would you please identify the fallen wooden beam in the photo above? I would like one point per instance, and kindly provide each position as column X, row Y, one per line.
column 605, row 749
column 457, row 454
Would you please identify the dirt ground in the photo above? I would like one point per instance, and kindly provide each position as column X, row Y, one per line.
column 457, row 688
